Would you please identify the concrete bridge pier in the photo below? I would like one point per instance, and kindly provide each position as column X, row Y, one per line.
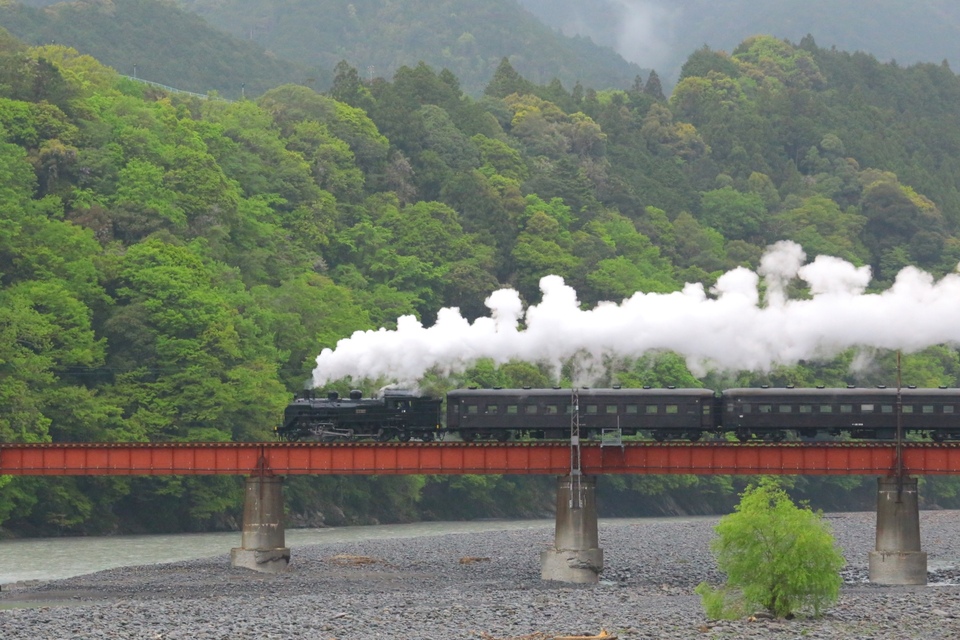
column 262, row 546
column 898, row 558
column 576, row 555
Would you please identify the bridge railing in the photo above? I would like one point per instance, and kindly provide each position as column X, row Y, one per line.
column 546, row 458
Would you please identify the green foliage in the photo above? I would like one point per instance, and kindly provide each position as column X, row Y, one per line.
column 776, row 555
column 738, row 216
column 171, row 267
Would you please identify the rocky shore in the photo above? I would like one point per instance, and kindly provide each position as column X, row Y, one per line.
column 478, row 586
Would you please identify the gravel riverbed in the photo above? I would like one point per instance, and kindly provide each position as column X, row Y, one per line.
column 479, row 586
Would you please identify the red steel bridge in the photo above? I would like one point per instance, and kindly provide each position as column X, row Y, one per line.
column 548, row 458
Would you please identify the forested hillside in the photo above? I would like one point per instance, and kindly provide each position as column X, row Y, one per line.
column 172, row 266
column 261, row 45
column 158, row 41
column 469, row 37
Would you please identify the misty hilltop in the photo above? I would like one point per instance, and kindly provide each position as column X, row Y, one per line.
column 157, row 41
column 662, row 33
column 468, row 37
column 238, row 41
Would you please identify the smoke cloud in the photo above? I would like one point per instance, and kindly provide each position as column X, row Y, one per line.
column 732, row 328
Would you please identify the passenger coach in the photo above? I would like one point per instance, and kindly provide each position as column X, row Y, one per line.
column 869, row 413
column 547, row 413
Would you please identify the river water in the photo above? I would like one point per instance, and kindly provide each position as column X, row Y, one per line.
column 54, row 558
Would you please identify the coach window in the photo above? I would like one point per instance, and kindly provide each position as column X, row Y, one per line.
column 886, row 408
column 530, row 409
column 551, row 409
column 765, row 408
column 491, row 408
column 592, row 408
column 651, row 408
column 866, row 408
column 745, row 408
column 928, row 408
column 846, row 408
column 472, row 408
column 948, row 408
column 785, row 408
column 826, row 408
column 568, row 409
column 907, row 408
column 632, row 408
column 512, row 409
column 672, row 408
column 612, row 408
column 706, row 409
column 806, row 408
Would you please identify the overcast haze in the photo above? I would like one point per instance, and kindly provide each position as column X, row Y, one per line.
column 661, row 34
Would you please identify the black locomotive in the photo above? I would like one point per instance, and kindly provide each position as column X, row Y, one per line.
column 397, row 414
column 662, row 414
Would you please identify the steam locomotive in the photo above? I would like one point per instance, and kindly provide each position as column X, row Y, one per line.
column 772, row 414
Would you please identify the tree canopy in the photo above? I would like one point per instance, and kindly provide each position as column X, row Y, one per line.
column 171, row 266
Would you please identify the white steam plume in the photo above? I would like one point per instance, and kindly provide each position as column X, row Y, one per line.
column 730, row 330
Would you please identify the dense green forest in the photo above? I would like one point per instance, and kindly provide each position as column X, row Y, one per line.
column 171, row 266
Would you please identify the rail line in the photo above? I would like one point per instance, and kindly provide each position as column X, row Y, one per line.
column 548, row 458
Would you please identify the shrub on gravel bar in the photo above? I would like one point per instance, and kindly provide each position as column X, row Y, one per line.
column 775, row 555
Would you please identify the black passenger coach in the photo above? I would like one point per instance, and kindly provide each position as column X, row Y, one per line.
column 547, row 413
column 869, row 413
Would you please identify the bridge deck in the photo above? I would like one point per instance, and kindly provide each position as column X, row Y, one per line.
column 821, row 458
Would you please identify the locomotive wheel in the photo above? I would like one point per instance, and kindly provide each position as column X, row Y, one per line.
column 426, row 436
column 403, row 436
column 938, row 436
column 743, row 435
column 659, row 436
column 468, row 435
column 695, row 435
column 385, row 435
column 501, row 436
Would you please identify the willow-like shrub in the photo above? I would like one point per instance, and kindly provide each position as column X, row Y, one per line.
column 775, row 555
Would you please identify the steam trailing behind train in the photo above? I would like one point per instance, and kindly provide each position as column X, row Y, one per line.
column 773, row 414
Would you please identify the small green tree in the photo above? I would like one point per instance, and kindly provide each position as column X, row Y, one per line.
column 775, row 554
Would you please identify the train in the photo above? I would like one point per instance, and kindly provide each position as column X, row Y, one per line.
column 661, row 414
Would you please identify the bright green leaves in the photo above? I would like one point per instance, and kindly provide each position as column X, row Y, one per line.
column 142, row 188
column 201, row 363
column 45, row 334
column 738, row 216
column 410, row 250
column 307, row 314
column 819, row 225
column 776, row 556
column 774, row 58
